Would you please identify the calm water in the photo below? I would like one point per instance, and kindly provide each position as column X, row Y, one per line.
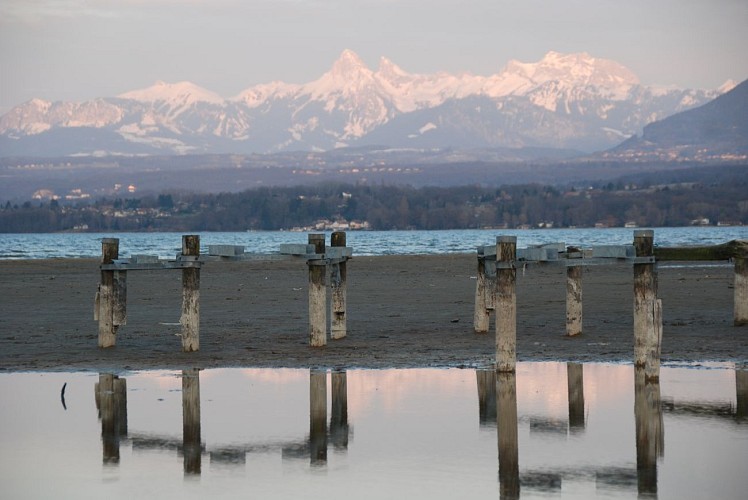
column 553, row 430
column 167, row 245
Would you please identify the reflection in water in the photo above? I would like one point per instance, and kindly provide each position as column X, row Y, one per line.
column 575, row 384
column 191, row 443
column 318, row 417
column 650, row 432
column 741, row 388
column 339, row 430
column 598, row 451
column 506, row 396
column 486, row 397
column 111, row 401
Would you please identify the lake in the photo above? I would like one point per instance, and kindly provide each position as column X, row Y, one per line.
column 167, row 245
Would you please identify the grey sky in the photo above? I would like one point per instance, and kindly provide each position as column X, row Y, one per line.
column 82, row 49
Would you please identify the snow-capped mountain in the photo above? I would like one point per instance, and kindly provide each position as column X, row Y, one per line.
column 573, row 101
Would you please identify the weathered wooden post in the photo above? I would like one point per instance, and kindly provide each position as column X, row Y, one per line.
column 645, row 297
column 338, row 283
column 506, row 395
column 485, row 287
column 339, row 428
column 506, row 304
column 318, row 417
column 317, row 294
column 575, row 388
column 190, row 319
column 650, row 439
column 741, row 291
column 106, row 295
column 191, row 432
column 573, row 299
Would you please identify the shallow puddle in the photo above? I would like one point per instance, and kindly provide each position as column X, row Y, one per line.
column 552, row 430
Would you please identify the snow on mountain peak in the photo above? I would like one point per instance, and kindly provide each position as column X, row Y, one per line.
column 727, row 86
column 578, row 69
column 349, row 64
column 389, row 70
column 182, row 92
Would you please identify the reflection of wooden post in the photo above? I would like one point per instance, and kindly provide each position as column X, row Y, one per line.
column 506, row 390
column 486, row 396
column 573, row 300
column 106, row 297
column 191, row 438
column 575, row 386
column 645, row 295
column 482, row 314
column 339, row 290
column 339, row 418
column 190, row 319
column 741, row 291
column 318, row 417
column 506, row 304
column 317, row 295
column 111, row 400
column 741, row 393
column 650, row 436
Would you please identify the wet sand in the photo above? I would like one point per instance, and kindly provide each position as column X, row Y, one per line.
column 403, row 311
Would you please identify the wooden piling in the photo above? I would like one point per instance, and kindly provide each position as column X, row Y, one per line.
column 190, row 319
column 654, row 344
column 574, row 300
column 106, row 295
column 317, row 294
column 506, row 396
column 506, row 304
column 338, row 284
column 119, row 306
column 318, row 417
column 191, row 431
column 575, row 388
column 482, row 314
column 741, row 291
column 645, row 295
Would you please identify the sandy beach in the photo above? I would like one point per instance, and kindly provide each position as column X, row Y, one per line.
column 403, row 311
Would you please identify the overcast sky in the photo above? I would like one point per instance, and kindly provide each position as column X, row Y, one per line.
column 83, row 49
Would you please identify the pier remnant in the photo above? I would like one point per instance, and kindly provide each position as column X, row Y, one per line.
column 647, row 308
column 190, row 319
column 740, row 315
column 317, row 293
column 506, row 304
column 573, row 299
column 338, row 285
column 105, row 304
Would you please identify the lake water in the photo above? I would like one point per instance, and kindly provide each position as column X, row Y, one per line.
column 167, row 245
column 551, row 431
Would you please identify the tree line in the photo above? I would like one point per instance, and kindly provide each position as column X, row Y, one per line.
column 384, row 207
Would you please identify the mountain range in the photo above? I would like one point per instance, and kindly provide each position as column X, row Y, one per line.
column 564, row 101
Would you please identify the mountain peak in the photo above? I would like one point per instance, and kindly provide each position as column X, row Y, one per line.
column 182, row 91
column 386, row 66
column 577, row 69
column 349, row 62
